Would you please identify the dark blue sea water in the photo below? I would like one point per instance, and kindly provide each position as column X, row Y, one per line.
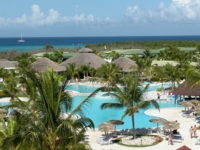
column 32, row 43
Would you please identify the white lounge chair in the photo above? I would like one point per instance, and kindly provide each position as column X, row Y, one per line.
column 177, row 138
column 103, row 142
column 197, row 142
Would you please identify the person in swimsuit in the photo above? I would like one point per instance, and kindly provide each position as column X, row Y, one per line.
column 191, row 131
column 195, row 131
column 170, row 139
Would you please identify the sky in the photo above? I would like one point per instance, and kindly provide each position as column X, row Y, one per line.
column 72, row 18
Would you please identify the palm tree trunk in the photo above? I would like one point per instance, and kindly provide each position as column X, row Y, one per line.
column 133, row 125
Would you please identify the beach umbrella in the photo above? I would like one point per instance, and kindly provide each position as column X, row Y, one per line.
column 187, row 104
column 169, row 125
column 106, row 127
column 194, row 101
column 158, row 120
column 197, row 109
column 116, row 122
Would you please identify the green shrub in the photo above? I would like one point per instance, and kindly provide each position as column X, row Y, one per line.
column 3, row 94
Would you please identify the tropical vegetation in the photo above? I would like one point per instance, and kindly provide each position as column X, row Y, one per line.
column 130, row 97
column 46, row 120
column 39, row 121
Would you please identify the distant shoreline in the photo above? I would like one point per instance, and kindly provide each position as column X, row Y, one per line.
column 35, row 43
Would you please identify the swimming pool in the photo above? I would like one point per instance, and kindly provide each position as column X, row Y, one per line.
column 99, row 116
column 81, row 88
column 84, row 88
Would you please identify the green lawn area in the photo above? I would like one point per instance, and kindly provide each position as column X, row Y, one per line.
column 140, row 51
column 65, row 54
column 124, row 52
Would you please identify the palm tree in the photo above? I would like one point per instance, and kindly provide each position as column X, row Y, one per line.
column 109, row 72
column 40, row 123
column 173, row 73
column 7, row 128
column 85, row 69
column 24, row 61
column 71, row 71
column 10, row 85
column 48, row 48
column 114, row 55
column 92, row 72
column 3, row 73
column 198, row 48
column 159, row 73
column 129, row 97
column 141, row 63
column 56, row 56
column 193, row 77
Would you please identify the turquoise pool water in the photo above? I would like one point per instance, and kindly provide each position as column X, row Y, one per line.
column 90, row 88
column 99, row 116
column 4, row 103
column 81, row 88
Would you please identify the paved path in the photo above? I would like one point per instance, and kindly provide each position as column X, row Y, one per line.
column 170, row 114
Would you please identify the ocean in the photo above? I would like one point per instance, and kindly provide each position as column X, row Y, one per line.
column 34, row 43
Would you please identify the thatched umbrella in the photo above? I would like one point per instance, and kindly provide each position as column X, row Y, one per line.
column 187, row 104
column 169, row 125
column 116, row 122
column 125, row 64
column 41, row 65
column 106, row 127
column 158, row 120
column 194, row 101
column 85, row 57
column 197, row 109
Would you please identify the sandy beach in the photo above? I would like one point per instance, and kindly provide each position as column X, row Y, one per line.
column 170, row 114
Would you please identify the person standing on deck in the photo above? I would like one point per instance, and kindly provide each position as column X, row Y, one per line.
column 191, row 131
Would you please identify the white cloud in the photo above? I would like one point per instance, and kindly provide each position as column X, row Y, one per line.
column 38, row 18
column 2, row 20
column 177, row 11
column 53, row 17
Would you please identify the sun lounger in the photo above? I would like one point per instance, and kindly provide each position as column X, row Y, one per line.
column 103, row 142
column 177, row 138
column 197, row 142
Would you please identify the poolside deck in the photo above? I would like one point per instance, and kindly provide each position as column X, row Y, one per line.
column 170, row 114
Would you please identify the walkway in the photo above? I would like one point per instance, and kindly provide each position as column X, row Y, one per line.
column 170, row 114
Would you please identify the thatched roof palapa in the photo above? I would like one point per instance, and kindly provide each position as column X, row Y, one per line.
column 186, row 89
column 85, row 57
column 8, row 64
column 125, row 64
column 42, row 64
